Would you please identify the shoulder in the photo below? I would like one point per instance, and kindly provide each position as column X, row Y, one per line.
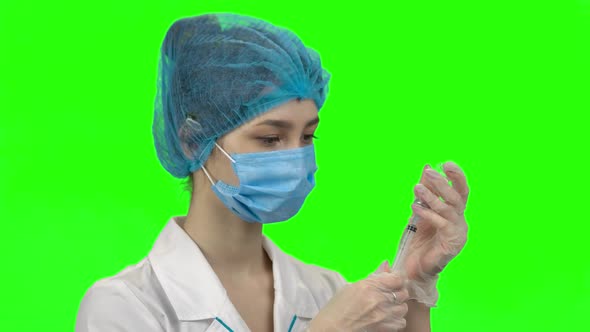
column 124, row 302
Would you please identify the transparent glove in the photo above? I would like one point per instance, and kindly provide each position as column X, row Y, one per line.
column 442, row 230
column 367, row 305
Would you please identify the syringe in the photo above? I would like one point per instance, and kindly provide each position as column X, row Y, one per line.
column 409, row 232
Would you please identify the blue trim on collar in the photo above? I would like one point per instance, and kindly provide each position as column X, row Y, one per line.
column 224, row 325
column 292, row 322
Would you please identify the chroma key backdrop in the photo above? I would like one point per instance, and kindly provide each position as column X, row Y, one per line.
column 499, row 87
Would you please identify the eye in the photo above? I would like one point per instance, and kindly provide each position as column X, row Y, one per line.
column 268, row 140
column 309, row 137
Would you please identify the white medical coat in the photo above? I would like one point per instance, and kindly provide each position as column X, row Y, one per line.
column 175, row 289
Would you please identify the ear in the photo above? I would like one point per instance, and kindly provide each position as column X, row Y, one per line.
column 186, row 150
column 187, row 144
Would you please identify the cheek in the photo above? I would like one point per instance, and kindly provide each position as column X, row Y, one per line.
column 241, row 140
column 220, row 168
column 229, row 176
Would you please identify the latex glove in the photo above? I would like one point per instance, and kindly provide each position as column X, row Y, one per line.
column 442, row 230
column 366, row 305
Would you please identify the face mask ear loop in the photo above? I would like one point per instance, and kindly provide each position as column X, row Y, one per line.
column 225, row 153
column 205, row 170
column 209, row 176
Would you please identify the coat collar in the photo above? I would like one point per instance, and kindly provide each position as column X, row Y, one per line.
column 196, row 292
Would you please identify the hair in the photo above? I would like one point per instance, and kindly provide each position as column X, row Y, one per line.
column 219, row 70
column 188, row 184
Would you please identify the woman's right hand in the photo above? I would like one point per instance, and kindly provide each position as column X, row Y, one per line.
column 367, row 305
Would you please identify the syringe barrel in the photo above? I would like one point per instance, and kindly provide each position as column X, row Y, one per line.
column 406, row 239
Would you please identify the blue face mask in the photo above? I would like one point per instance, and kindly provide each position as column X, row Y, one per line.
column 273, row 185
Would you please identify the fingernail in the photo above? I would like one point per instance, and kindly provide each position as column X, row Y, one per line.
column 383, row 265
column 427, row 167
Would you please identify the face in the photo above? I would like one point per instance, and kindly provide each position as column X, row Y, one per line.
column 288, row 126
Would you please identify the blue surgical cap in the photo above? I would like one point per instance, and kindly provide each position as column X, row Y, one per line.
column 218, row 71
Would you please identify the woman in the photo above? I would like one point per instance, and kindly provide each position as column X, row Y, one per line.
column 236, row 111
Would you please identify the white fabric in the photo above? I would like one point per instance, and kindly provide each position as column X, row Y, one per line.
column 175, row 289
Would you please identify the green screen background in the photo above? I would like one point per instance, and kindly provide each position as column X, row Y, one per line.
column 499, row 87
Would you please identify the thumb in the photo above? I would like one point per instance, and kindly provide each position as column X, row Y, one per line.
column 384, row 267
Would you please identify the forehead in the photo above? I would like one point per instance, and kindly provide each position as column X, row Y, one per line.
column 294, row 110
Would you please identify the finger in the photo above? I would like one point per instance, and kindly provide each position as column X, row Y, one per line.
column 393, row 317
column 384, row 267
column 401, row 296
column 454, row 172
column 431, row 216
column 425, row 179
column 423, row 175
column 451, row 235
column 390, row 281
column 395, row 312
column 400, row 310
column 389, row 324
column 439, row 186
column 393, row 307
column 446, row 211
column 391, row 300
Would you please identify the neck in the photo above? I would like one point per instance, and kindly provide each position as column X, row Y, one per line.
column 232, row 246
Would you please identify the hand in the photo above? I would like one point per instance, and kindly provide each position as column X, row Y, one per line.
column 365, row 305
column 442, row 230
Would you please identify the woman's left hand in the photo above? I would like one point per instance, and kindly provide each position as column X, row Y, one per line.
column 442, row 229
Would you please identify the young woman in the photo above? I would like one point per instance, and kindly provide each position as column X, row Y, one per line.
column 236, row 111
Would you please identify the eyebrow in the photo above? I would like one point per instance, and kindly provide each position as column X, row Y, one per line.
column 286, row 124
